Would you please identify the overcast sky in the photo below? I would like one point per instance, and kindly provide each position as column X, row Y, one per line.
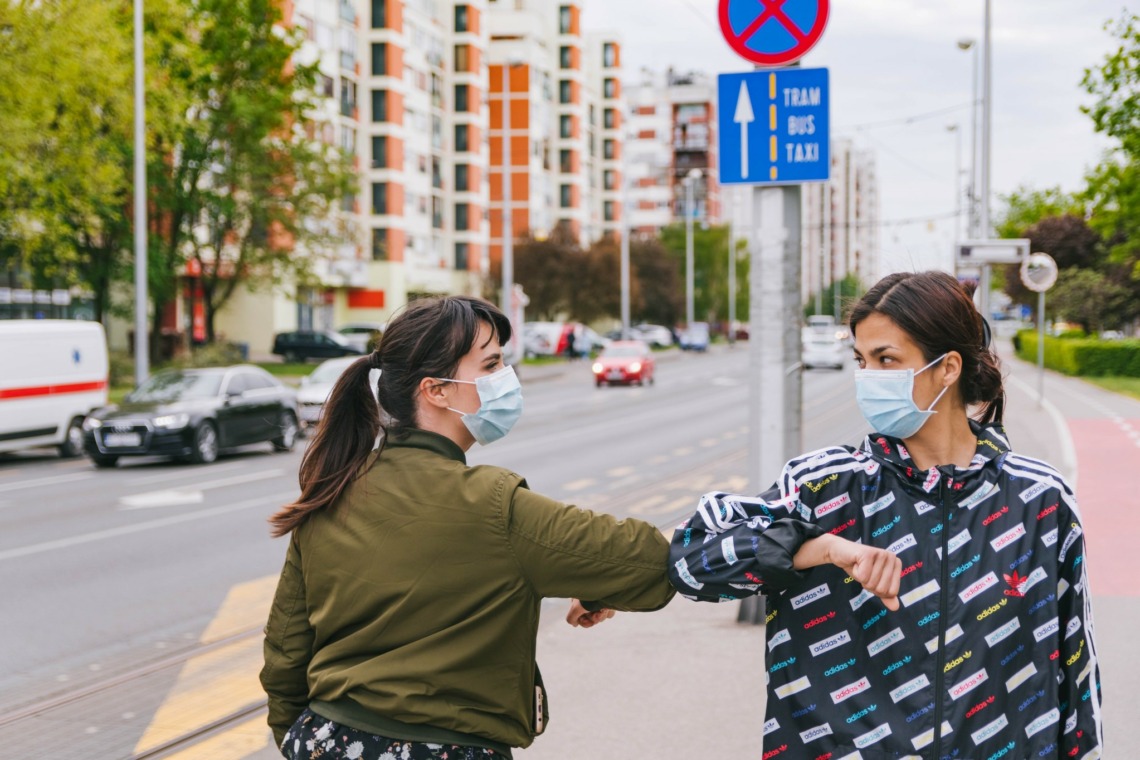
column 893, row 59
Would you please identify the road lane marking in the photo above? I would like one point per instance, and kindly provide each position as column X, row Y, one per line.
column 99, row 535
column 619, row 472
column 48, row 481
column 659, row 459
column 188, row 473
column 177, row 497
column 214, row 684
column 1064, row 436
column 683, row 451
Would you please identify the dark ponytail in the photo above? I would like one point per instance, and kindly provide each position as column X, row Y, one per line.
column 427, row 339
column 936, row 311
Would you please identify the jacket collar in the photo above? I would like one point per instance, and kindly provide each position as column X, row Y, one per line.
column 992, row 448
column 414, row 438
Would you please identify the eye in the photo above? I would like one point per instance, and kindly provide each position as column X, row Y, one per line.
column 859, row 362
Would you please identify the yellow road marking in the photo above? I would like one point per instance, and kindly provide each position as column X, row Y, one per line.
column 241, row 740
column 214, row 684
column 619, row 472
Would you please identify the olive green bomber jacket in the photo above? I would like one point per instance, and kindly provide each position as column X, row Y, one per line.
column 416, row 598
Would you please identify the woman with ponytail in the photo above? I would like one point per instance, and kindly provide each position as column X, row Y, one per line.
column 405, row 618
column 932, row 600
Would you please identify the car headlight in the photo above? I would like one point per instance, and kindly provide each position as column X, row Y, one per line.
column 597, row 368
column 91, row 423
column 635, row 367
column 172, row 421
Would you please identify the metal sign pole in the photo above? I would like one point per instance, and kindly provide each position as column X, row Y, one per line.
column 142, row 353
column 1041, row 348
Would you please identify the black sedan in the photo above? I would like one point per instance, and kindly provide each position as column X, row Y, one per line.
column 192, row 414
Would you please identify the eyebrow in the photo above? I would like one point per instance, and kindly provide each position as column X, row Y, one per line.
column 878, row 351
column 493, row 358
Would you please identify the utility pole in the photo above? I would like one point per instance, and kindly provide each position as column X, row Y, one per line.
column 142, row 355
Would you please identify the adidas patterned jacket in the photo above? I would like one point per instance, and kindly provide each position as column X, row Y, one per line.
column 991, row 654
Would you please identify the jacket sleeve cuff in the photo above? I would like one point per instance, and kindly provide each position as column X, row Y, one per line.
column 592, row 606
column 778, row 546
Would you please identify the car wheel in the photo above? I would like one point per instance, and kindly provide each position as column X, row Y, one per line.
column 205, row 444
column 72, row 445
column 598, row 384
column 103, row 461
column 288, row 437
column 652, row 379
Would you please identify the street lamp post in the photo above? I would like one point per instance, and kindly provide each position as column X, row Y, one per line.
column 625, row 233
column 957, row 132
column 508, row 223
column 142, row 356
column 972, row 222
column 987, row 109
column 690, row 180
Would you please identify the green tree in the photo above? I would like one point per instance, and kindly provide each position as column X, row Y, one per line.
column 659, row 293
column 1091, row 300
column 243, row 184
column 547, row 270
column 1025, row 207
column 710, row 268
column 850, row 290
column 1114, row 185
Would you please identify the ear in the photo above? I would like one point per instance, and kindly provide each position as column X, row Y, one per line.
column 951, row 368
column 434, row 392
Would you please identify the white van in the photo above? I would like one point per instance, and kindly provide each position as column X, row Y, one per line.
column 52, row 374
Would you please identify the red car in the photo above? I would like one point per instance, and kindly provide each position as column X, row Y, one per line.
column 625, row 362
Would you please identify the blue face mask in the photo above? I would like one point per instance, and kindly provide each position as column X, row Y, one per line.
column 500, row 405
column 886, row 399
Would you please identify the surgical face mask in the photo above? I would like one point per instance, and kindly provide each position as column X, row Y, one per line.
column 886, row 399
column 500, row 405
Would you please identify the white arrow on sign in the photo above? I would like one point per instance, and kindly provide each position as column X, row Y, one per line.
column 743, row 117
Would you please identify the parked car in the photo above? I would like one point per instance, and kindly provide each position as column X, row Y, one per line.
column 362, row 335
column 316, row 387
column 625, row 362
column 654, row 335
column 54, row 373
column 552, row 338
column 193, row 414
column 823, row 351
column 302, row 345
column 695, row 337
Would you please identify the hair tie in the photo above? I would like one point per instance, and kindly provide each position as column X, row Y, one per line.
column 374, row 360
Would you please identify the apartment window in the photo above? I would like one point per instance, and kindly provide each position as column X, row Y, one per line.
column 565, row 125
column 328, row 86
column 436, row 173
column 348, row 204
column 564, row 163
column 347, row 48
column 461, row 135
column 609, row 118
column 564, row 19
column 461, row 18
column 437, row 213
column 608, row 211
column 564, row 91
column 564, row 57
column 608, row 179
column 609, row 55
column 436, row 132
column 609, row 88
column 379, row 14
column 379, row 197
column 379, row 106
column 565, row 196
column 461, row 254
column 462, row 57
column 609, row 149
column 462, row 178
column 379, row 152
column 461, row 92
column 379, row 59
column 347, row 11
column 347, row 98
column 348, row 140
column 380, row 244
column 461, row 216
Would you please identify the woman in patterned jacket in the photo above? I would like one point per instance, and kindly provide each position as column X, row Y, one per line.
column 990, row 653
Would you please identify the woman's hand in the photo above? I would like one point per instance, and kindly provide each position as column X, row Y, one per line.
column 876, row 570
column 580, row 617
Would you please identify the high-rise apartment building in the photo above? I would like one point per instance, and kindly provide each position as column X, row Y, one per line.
column 841, row 222
column 672, row 133
column 438, row 102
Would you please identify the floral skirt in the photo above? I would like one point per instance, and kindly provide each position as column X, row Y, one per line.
column 313, row 737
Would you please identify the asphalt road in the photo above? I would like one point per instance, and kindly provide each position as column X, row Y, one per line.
column 105, row 571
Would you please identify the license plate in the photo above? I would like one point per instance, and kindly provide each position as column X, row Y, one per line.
column 122, row 440
column 615, row 375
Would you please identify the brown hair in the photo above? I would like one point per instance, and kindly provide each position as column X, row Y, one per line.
column 935, row 310
column 428, row 339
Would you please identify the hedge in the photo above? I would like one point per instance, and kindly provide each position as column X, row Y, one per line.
column 1083, row 356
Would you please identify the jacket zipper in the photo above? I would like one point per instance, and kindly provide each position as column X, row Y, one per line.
column 943, row 592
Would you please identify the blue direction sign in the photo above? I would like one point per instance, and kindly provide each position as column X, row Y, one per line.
column 773, row 127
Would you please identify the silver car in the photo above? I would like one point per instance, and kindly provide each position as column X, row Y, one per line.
column 316, row 387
